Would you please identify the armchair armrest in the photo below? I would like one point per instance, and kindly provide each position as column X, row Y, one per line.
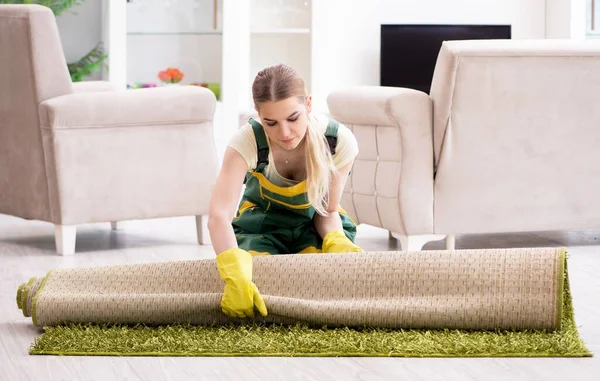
column 392, row 182
column 93, row 86
column 378, row 105
column 141, row 107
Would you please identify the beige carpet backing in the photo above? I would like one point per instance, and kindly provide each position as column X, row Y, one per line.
column 511, row 289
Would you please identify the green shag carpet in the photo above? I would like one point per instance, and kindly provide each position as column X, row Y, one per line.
column 301, row 340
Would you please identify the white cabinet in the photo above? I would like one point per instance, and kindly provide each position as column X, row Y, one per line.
column 145, row 37
column 279, row 31
column 218, row 43
column 198, row 37
column 182, row 34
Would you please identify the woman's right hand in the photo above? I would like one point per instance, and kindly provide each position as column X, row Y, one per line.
column 240, row 294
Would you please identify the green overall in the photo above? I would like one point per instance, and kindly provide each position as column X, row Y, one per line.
column 280, row 220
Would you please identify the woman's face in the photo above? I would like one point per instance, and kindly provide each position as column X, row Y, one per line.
column 285, row 122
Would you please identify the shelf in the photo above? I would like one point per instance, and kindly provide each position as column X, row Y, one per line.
column 276, row 31
column 215, row 32
column 282, row 31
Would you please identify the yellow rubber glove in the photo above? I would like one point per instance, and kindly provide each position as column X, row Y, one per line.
column 240, row 295
column 336, row 242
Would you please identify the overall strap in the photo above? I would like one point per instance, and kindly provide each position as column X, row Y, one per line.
column 331, row 135
column 261, row 144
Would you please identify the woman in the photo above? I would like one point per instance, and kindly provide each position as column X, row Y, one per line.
column 295, row 168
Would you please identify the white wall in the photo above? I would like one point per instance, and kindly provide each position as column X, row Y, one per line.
column 345, row 33
column 80, row 29
column 566, row 18
column 346, row 50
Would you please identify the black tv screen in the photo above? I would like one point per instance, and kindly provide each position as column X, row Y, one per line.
column 409, row 52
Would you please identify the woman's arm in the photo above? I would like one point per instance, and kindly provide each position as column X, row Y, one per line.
column 224, row 200
column 333, row 221
column 240, row 294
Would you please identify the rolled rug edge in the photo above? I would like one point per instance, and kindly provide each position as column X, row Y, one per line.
column 36, row 295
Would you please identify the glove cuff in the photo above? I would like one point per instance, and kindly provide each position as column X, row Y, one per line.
column 331, row 237
column 334, row 234
column 233, row 263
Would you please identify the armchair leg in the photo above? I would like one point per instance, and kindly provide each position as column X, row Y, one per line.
column 65, row 236
column 450, row 241
column 414, row 242
column 116, row 225
column 202, row 230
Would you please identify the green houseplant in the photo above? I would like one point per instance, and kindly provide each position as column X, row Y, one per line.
column 93, row 60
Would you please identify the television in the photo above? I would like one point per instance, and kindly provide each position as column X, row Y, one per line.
column 409, row 52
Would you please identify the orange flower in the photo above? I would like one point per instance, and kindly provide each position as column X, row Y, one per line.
column 163, row 76
column 171, row 75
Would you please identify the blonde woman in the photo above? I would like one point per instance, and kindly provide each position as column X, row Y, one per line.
column 294, row 166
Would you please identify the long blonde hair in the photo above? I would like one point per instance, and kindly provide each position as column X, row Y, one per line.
column 280, row 82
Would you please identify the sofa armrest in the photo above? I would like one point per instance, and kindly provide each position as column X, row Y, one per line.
column 130, row 108
column 392, row 182
column 93, row 86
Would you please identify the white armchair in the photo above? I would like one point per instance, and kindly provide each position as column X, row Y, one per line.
column 80, row 153
column 507, row 141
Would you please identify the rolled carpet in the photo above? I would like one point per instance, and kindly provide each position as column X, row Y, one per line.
column 508, row 289
column 477, row 303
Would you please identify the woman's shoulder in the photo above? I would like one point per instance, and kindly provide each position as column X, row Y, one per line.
column 244, row 142
column 244, row 134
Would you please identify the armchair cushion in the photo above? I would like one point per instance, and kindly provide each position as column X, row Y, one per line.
column 143, row 107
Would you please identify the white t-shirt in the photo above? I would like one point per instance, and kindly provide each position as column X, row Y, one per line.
column 244, row 142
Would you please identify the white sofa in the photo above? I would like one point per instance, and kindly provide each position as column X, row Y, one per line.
column 508, row 140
